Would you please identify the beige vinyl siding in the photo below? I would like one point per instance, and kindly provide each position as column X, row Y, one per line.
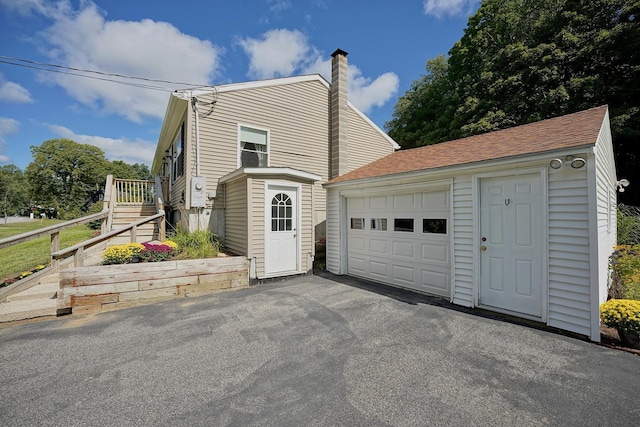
column 297, row 117
column 257, row 223
column 236, row 216
column 462, row 225
column 569, row 259
column 365, row 143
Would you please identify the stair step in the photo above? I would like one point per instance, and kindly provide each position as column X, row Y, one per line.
column 27, row 309
column 43, row 290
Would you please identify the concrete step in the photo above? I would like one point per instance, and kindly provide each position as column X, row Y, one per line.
column 28, row 309
column 47, row 288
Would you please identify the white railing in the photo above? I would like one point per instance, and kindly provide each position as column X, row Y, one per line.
column 134, row 192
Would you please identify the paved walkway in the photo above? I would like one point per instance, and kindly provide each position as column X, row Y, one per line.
column 308, row 351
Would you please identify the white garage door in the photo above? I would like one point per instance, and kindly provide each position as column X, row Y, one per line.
column 401, row 239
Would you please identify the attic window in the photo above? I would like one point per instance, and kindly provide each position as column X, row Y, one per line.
column 253, row 147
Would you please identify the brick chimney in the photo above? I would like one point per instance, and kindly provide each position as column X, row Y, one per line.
column 338, row 115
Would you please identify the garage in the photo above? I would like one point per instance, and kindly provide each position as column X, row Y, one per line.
column 401, row 239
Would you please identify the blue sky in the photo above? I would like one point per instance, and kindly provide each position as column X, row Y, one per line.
column 200, row 43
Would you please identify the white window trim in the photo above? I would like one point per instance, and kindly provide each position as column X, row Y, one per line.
column 238, row 143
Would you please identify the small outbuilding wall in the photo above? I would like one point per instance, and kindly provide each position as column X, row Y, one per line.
column 528, row 236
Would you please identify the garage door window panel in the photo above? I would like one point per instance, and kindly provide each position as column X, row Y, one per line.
column 379, row 224
column 403, row 225
column 357, row 223
column 434, row 225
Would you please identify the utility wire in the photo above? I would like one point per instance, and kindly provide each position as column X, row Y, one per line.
column 20, row 62
column 139, row 85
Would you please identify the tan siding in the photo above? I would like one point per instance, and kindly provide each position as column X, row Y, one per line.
column 366, row 144
column 256, row 223
column 236, row 216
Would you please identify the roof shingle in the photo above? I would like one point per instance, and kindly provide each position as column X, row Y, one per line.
column 573, row 130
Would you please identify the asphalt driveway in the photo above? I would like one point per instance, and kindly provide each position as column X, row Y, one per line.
column 308, row 351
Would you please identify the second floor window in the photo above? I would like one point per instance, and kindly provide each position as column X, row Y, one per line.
column 177, row 149
column 253, row 148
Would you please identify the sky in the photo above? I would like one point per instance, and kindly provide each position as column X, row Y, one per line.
column 175, row 45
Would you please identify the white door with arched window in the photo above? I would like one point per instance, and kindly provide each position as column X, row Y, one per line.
column 281, row 229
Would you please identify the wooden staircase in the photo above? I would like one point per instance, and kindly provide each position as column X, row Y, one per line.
column 132, row 201
column 133, row 211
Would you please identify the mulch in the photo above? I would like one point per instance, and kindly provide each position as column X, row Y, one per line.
column 609, row 338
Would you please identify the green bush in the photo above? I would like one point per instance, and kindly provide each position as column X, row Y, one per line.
column 625, row 272
column 628, row 224
column 197, row 244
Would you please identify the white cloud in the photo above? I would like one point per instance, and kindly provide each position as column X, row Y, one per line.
column 280, row 53
column 146, row 48
column 7, row 127
column 13, row 92
column 440, row 8
column 130, row 151
column 27, row 7
column 277, row 53
column 278, row 5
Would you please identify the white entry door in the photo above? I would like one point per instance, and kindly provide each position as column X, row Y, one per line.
column 511, row 250
column 281, row 231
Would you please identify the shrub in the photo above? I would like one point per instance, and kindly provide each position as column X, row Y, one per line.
column 625, row 272
column 121, row 254
column 621, row 314
column 154, row 252
column 628, row 225
column 197, row 244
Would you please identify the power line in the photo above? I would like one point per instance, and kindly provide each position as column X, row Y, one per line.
column 20, row 62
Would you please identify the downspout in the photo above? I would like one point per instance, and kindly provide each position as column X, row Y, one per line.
column 194, row 103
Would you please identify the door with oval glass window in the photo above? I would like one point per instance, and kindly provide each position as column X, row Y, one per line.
column 281, row 234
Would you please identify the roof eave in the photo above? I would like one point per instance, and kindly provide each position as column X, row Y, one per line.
column 464, row 166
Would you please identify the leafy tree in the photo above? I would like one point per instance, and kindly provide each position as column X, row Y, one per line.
column 64, row 174
column 122, row 170
column 14, row 191
column 420, row 117
column 524, row 60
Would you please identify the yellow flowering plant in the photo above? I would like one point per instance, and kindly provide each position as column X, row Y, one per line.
column 121, row 254
column 621, row 314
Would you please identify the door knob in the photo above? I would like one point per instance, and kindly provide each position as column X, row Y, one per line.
column 483, row 248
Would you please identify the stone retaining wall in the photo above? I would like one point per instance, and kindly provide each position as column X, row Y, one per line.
column 106, row 287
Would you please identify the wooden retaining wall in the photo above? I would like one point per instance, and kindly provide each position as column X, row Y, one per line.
column 106, row 287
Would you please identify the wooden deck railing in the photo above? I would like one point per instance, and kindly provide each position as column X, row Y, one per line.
column 78, row 251
column 117, row 191
column 134, row 192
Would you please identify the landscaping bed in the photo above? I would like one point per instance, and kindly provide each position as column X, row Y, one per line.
column 106, row 287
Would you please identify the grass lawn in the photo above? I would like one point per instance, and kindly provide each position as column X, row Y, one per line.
column 27, row 255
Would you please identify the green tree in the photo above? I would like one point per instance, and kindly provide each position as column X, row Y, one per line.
column 14, row 190
column 421, row 117
column 524, row 60
column 122, row 170
column 64, row 174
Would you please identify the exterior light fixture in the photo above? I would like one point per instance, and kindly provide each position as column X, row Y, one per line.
column 555, row 164
column 574, row 162
column 578, row 163
column 622, row 184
